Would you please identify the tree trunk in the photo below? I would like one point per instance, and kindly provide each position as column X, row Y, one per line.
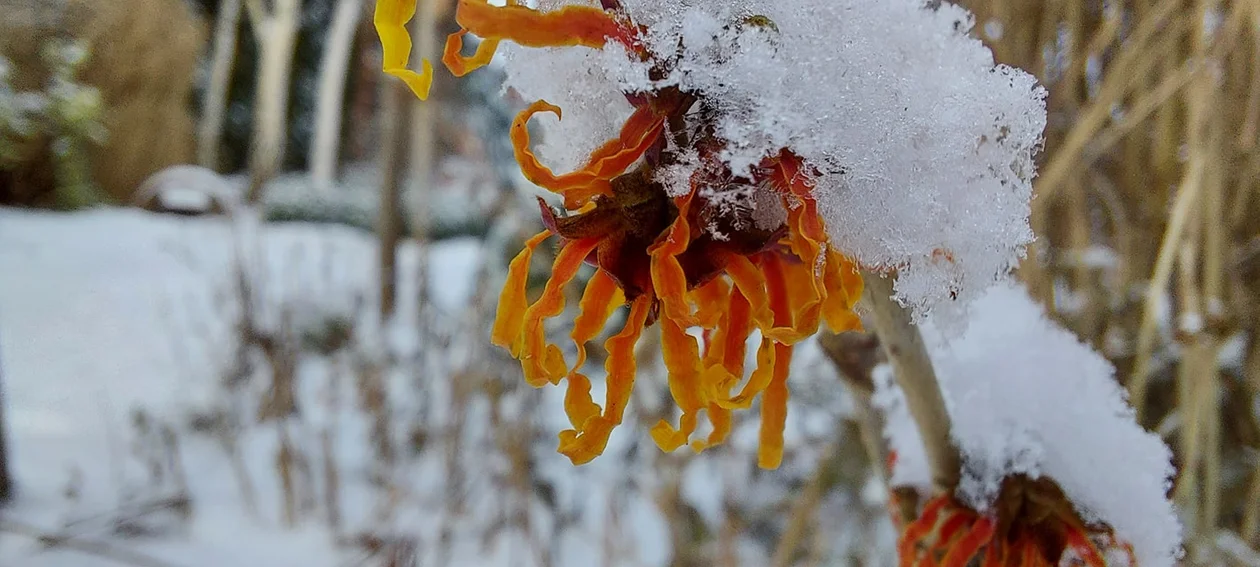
column 395, row 108
column 210, row 130
column 331, row 95
column 423, row 116
column 276, row 33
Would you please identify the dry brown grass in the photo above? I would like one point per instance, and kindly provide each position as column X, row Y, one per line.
column 143, row 58
column 1151, row 154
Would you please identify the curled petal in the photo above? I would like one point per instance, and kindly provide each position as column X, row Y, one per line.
column 582, row 445
column 682, row 359
column 720, row 418
column 390, row 20
column 460, row 65
column 669, row 281
column 599, row 300
column 568, row 26
column 534, row 170
column 609, row 160
column 758, row 382
column 578, row 404
column 748, row 279
column 726, row 343
column 543, row 362
column 844, row 288
column 509, row 319
column 640, row 129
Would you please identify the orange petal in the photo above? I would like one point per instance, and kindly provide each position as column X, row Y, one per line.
column 509, row 319
column 609, row 160
column 460, row 65
column 751, row 285
column 682, row 359
column 543, row 362
column 761, row 377
column 844, row 288
column 774, row 410
column 390, row 20
column 578, row 404
column 534, row 170
column 1031, row 556
column 582, row 445
column 954, row 525
column 1085, row 548
column 711, row 301
column 961, row 553
column 790, row 325
column 600, row 299
column 569, row 26
column 738, row 326
column 788, row 175
column 720, row 418
column 668, row 279
column 995, row 554
column 907, row 546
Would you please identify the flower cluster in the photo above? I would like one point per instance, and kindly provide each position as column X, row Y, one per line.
column 1032, row 524
column 725, row 251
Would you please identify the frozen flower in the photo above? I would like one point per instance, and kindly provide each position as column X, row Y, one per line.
column 1031, row 524
column 722, row 249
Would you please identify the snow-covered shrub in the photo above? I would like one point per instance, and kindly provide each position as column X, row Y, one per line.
column 65, row 114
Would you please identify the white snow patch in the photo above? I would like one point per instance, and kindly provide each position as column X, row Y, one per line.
column 923, row 145
column 1026, row 396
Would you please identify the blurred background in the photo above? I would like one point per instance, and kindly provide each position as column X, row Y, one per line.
column 246, row 283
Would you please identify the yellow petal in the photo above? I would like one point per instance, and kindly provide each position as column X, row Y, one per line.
column 391, row 19
column 774, row 411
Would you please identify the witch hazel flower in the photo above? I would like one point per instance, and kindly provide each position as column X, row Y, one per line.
column 1055, row 468
column 727, row 168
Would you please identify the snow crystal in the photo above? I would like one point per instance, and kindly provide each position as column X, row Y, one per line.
column 922, row 146
column 1027, row 397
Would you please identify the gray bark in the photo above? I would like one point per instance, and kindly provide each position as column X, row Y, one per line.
column 331, row 94
column 276, row 33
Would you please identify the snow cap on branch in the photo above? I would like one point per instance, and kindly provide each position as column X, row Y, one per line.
column 1027, row 397
column 921, row 147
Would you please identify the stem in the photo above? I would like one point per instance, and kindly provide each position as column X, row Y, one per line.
column 913, row 369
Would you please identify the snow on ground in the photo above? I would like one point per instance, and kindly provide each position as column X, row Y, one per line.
column 106, row 312
column 118, row 327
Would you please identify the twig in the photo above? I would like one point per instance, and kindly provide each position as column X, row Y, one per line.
column 1251, row 520
column 913, row 369
column 855, row 356
column 803, row 509
column 98, row 548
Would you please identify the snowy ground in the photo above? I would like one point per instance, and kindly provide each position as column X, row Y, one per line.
column 134, row 428
column 106, row 313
